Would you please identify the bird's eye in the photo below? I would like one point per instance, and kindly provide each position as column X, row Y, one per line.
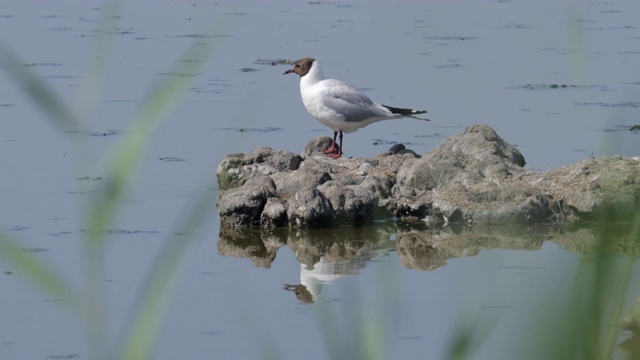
column 298, row 65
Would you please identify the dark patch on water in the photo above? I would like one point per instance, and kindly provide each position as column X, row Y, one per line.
column 247, row 69
column 513, row 26
column 603, row 28
column 449, row 66
column 60, row 233
column 96, row 133
column 212, row 87
column 410, row 338
column 273, row 62
column 61, row 28
column 19, row 228
column 635, row 128
column 632, row 104
column 561, row 51
column 200, row 36
column 263, row 130
column 337, row 4
column 34, row 250
column 89, row 178
column 131, row 232
column 7, row 105
column 557, row 87
column 122, row 31
column 389, row 142
column 6, row 16
column 200, row 89
column 41, row 64
column 62, row 77
column 383, row 142
column 434, row 135
column 69, row 356
column 171, row 159
column 613, row 129
column 127, row 232
column 190, row 60
column 450, row 38
column 179, row 74
column 213, row 332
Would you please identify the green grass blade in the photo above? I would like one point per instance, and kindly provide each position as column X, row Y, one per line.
column 121, row 172
column 45, row 277
column 153, row 299
column 130, row 151
column 101, row 52
column 41, row 94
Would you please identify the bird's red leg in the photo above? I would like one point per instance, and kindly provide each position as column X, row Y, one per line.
column 333, row 144
column 335, row 156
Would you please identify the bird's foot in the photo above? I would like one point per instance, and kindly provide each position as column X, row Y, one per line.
column 333, row 150
column 335, row 156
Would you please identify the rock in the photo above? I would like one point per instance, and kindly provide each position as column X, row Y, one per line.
column 242, row 243
column 274, row 213
column 631, row 321
column 591, row 187
column 243, row 206
column 317, row 147
column 475, row 178
column 309, row 207
column 236, row 169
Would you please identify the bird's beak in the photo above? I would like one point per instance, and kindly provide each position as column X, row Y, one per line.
column 288, row 72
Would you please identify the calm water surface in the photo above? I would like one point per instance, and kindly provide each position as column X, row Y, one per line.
column 560, row 81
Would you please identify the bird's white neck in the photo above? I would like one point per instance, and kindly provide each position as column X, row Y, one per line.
column 313, row 76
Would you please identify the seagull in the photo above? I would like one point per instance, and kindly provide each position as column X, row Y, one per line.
column 340, row 106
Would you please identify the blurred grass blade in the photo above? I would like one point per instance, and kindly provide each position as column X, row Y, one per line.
column 623, row 281
column 41, row 94
column 129, row 153
column 40, row 274
column 154, row 299
column 121, row 172
column 92, row 81
column 161, row 280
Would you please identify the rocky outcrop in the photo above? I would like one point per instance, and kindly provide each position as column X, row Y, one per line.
column 474, row 177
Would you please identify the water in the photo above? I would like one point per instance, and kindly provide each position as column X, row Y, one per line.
column 466, row 63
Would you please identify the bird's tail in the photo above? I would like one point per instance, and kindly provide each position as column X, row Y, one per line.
column 406, row 112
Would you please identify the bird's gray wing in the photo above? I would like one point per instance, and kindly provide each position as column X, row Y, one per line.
column 351, row 102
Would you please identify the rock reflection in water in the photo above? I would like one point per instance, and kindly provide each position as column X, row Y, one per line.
column 326, row 255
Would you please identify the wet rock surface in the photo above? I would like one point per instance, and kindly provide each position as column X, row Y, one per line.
column 475, row 178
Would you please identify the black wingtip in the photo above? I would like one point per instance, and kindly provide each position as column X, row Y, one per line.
column 406, row 112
